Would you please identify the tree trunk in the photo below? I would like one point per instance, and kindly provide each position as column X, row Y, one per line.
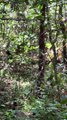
column 63, row 29
column 41, row 50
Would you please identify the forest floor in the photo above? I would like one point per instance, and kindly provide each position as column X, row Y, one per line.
column 15, row 88
column 8, row 105
column 16, row 91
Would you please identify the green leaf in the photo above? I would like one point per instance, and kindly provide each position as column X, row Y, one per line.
column 48, row 45
column 64, row 101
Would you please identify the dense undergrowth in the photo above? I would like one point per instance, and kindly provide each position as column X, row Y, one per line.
column 19, row 99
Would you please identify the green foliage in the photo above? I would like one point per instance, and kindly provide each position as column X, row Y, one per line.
column 48, row 45
column 9, row 115
column 49, row 110
column 19, row 56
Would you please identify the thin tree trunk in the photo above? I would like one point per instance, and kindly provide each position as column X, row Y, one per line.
column 52, row 43
column 63, row 29
column 41, row 69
